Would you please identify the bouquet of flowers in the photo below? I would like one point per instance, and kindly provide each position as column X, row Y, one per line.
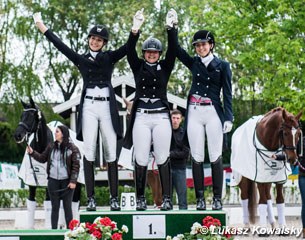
column 101, row 228
column 210, row 229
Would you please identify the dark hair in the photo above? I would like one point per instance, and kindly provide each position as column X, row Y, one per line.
column 65, row 137
column 176, row 112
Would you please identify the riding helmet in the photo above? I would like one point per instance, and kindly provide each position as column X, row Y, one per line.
column 100, row 31
column 203, row 36
column 153, row 44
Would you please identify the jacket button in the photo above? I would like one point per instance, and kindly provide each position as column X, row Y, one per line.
column 205, row 94
column 90, row 70
column 154, row 87
column 207, row 86
column 196, row 92
column 198, row 74
column 155, row 80
column 198, row 83
column 143, row 79
column 153, row 95
column 144, row 95
column 143, row 87
column 208, row 78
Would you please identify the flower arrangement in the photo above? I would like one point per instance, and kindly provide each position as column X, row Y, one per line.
column 210, row 229
column 101, row 228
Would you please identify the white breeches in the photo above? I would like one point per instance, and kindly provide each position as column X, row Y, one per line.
column 203, row 121
column 151, row 129
column 97, row 117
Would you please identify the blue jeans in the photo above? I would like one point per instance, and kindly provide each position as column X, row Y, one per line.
column 302, row 190
column 179, row 183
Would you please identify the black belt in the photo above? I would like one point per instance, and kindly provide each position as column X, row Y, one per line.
column 152, row 111
column 201, row 103
column 98, row 98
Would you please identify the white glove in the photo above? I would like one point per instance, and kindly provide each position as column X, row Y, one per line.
column 37, row 17
column 138, row 20
column 227, row 126
column 171, row 18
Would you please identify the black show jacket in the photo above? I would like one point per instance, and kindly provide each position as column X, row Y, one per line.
column 209, row 81
column 95, row 72
column 151, row 81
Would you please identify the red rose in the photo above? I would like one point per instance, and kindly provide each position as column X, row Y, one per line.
column 117, row 236
column 73, row 223
column 97, row 234
column 106, row 221
column 91, row 227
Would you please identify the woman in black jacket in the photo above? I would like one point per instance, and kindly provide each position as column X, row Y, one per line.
column 62, row 159
column 150, row 121
column 98, row 109
column 208, row 116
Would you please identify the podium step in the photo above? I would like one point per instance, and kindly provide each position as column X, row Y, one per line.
column 154, row 224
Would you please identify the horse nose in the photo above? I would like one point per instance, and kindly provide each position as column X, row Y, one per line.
column 17, row 137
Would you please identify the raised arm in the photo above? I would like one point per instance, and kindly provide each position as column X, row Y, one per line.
column 132, row 55
column 171, row 25
column 181, row 54
column 69, row 53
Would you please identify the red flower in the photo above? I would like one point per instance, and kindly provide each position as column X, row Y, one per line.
column 97, row 234
column 91, row 227
column 227, row 235
column 117, row 236
column 73, row 223
column 209, row 221
column 106, row 221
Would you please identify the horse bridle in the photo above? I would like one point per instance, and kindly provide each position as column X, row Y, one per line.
column 282, row 146
column 281, row 132
column 30, row 130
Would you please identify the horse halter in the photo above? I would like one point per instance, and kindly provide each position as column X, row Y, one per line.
column 30, row 129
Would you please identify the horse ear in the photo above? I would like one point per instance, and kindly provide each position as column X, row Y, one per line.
column 299, row 115
column 23, row 103
column 32, row 102
column 284, row 114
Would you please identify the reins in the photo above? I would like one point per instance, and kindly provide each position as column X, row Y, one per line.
column 64, row 192
column 31, row 163
column 29, row 130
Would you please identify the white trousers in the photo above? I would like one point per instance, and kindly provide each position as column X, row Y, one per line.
column 202, row 122
column 151, row 129
column 96, row 115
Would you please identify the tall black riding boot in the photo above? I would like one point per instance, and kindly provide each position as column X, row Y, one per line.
column 166, row 183
column 217, row 178
column 113, row 181
column 89, row 182
column 140, row 180
column 198, row 177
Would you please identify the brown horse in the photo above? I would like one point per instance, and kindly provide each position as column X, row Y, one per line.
column 253, row 146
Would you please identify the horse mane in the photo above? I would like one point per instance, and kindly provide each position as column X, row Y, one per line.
column 272, row 111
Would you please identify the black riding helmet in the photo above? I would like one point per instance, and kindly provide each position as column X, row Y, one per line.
column 100, row 31
column 152, row 44
column 203, row 36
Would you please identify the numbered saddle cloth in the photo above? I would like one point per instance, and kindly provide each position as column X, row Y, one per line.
column 247, row 160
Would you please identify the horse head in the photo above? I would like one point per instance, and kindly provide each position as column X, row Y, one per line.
column 29, row 122
column 280, row 130
column 290, row 133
